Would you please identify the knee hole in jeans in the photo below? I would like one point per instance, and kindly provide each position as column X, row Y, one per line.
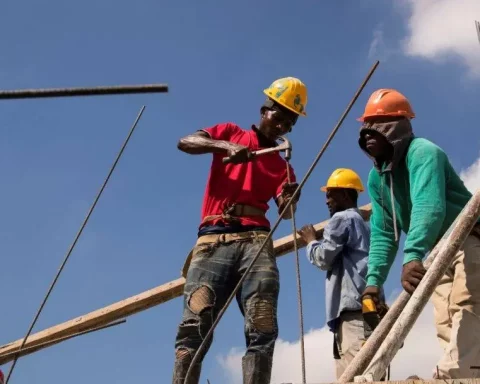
column 201, row 299
column 182, row 354
column 262, row 315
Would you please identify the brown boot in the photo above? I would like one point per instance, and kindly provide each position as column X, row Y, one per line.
column 257, row 369
column 180, row 370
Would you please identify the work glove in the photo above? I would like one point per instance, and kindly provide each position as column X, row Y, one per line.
column 412, row 274
column 238, row 153
column 307, row 233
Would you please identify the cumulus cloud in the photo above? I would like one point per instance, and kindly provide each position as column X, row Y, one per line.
column 439, row 29
column 471, row 176
column 320, row 366
column 377, row 45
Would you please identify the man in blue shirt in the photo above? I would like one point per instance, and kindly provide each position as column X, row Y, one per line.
column 343, row 253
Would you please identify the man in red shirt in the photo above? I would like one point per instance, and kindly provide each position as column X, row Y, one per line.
column 232, row 230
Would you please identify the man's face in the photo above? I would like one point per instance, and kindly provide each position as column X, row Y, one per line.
column 336, row 198
column 376, row 144
column 276, row 122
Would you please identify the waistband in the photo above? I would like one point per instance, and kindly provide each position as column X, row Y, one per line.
column 229, row 237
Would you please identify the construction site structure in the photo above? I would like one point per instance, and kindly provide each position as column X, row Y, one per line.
column 369, row 365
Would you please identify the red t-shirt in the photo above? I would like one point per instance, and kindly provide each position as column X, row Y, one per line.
column 253, row 183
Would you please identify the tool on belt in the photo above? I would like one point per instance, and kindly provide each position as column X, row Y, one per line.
column 372, row 315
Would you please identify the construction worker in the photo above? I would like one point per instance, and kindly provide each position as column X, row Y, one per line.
column 414, row 188
column 233, row 228
column 343, row 253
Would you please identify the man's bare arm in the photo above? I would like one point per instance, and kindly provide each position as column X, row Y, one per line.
column 200, row 143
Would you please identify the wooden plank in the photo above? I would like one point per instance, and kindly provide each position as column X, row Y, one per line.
column 134, row 304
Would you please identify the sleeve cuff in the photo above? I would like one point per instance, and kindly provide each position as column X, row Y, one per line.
column 373, row 281
column 408, row 257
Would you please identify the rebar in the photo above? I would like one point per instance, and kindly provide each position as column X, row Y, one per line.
column 82, row 91
column 72, row 246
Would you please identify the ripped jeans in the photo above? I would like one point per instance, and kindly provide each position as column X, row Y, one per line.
column 213, row 273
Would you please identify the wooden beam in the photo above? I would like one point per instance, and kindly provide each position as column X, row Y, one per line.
column 134, row 304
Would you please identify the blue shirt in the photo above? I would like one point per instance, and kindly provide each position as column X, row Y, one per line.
column 343, row 253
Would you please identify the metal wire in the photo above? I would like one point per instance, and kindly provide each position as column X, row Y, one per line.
column 299, row 284
column 72, row 246
column 277, row 223
column 82, row 91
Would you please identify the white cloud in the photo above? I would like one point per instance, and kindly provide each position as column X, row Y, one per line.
column 471, row 176
column 320, row 366
column 377, row 45
column 439, row 29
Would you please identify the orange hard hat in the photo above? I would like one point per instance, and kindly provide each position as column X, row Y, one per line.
column 387, row 102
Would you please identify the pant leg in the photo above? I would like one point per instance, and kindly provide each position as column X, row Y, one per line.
column 350, row 337
column 206, row 289
column 257, row 300
column 463, row 349
column 258, row 297
column 441, row 304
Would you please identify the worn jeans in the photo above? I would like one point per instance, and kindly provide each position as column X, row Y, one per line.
column 457, row 314
column 213, row 273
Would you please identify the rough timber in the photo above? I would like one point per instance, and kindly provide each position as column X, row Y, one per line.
column 132, row 305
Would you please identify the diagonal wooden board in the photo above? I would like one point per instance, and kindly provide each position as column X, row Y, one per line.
column 134, row 304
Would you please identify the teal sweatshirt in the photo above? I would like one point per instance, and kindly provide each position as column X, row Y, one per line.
column 419, row 188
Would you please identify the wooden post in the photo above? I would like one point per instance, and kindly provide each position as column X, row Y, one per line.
column 448, row 247
column 134, row 304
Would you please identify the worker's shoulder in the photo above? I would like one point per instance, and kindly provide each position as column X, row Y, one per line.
column 230, row 125
column 420, row 147
column 346, row 217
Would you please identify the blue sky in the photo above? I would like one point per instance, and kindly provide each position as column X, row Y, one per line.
column 217, row 58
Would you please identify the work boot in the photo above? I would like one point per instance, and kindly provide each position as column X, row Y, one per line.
column 257, row 369
column 180, row 370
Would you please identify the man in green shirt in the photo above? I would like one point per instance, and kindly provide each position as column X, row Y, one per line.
column 414, row 189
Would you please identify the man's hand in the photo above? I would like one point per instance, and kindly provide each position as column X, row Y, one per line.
column 307, row 233
column 238, row 153
column 412, row 274
column 288, row 190
column 374, row 292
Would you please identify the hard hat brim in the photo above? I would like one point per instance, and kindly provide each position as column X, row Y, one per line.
column 265, row 91
column 324, row 188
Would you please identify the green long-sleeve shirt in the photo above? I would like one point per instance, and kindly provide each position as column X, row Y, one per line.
column 427, row 197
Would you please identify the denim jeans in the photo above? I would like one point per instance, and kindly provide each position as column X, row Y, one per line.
column 213, row 273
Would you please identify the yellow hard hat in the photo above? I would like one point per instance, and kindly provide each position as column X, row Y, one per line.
column 289, row 92
column 344, row 178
